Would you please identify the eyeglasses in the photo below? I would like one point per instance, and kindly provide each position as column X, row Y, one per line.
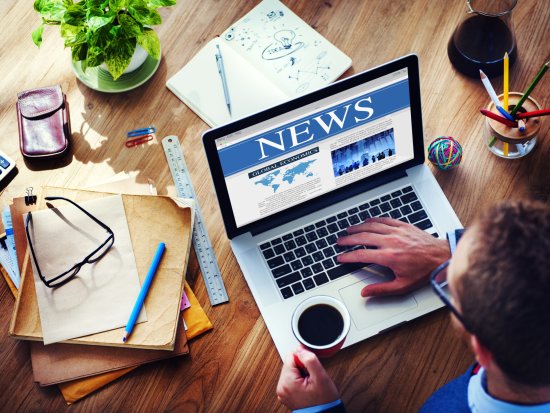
column 94, row 256
column 438, row 279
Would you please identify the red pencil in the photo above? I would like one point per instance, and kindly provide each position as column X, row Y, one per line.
column 499, row 118
column 542, row 112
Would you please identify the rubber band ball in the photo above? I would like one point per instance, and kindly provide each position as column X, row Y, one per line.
column 445, row 152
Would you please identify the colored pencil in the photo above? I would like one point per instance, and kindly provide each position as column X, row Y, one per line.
column 505, row 81
column 521, row 125
column 491, row 91
column 505, row 113
column 143, row 292
column 536, row 80
column 498, row 118
column 527, row 115
column 489, row 88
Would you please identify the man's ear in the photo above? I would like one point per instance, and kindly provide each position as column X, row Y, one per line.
column 483, row 355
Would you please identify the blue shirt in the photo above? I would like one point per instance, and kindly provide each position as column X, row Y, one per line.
column 480, row 401
column 319, row 408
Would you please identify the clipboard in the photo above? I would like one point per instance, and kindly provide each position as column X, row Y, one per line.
column 151, row 219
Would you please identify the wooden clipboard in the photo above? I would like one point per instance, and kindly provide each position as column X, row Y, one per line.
column 151, row 219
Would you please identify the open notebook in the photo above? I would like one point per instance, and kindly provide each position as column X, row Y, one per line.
column 269, row 56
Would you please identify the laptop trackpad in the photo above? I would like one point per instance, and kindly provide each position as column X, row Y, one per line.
column 367, row 312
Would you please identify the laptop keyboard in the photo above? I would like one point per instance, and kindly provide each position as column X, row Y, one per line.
column 305, row 258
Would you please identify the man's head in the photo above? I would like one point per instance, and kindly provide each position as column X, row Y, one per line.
column 500, row 281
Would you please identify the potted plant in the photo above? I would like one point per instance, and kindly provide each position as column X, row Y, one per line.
column 103, row 31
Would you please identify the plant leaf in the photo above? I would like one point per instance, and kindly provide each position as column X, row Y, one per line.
column 78, row 52
column 52, row 11
column 96, row 22
column 75, row 15
column 94, row 56
column 37, row 35
column 145, row 16
column 118, row 55
column 155, row 4
column 94, row 4
column 116, row 5
column 72, row 35
column 150, row 42
column 129, row 26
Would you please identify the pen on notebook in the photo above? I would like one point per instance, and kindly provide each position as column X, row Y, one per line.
column 493, row 95
column 536, row 80
column 498, row 118
column 221, row 71
column 143, row 292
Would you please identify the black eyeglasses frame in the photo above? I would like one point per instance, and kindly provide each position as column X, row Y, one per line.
column 438, row 289
column 73, row 271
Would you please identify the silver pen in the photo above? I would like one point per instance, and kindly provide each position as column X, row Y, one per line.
column 221, row 71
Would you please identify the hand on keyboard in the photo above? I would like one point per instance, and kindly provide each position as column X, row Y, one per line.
column 408, row 251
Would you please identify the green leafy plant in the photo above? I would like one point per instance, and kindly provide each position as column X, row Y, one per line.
column 103, row 31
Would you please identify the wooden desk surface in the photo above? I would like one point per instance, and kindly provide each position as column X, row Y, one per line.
column 235, row 367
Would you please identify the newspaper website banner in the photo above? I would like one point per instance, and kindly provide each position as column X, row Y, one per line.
column 322, row 125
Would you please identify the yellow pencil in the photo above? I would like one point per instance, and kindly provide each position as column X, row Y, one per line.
column 505, row 86
column 505, row 97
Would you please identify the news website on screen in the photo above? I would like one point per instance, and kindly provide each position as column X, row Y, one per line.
column 306, row 153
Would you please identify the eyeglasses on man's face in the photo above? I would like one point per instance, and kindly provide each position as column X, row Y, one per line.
column 440, row 285
column 94, row 256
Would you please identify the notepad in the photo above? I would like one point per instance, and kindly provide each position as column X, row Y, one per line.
column 102, row 295
column 270, row 56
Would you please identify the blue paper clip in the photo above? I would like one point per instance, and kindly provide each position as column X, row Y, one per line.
column 138, row 140
column 140, row 132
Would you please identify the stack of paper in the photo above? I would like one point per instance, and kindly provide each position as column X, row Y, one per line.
column 163, row 220
column 148, row 220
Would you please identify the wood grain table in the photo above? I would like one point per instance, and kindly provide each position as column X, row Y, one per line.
column 235, row 367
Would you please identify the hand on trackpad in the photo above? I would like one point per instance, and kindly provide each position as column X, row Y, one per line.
column 367, row 312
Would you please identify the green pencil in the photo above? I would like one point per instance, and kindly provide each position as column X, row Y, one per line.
column 539, row 75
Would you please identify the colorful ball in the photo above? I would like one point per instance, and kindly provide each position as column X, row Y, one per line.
column 445, row 152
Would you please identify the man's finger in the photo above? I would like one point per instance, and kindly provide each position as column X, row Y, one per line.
column 381, row 289
column 371, row 226
column 310, row 362
column 362, row 238
column 387, row 221
column 363, row 255
column 395, row 287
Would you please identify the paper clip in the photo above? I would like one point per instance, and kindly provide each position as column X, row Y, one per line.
column 30, row 199
column 140, row 132
column 138, row 140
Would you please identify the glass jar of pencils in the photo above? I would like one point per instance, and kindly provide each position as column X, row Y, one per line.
column 512, row 140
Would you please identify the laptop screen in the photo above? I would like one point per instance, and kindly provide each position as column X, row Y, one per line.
column 331, row 143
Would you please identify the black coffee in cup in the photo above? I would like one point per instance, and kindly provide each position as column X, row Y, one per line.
column 320, row 324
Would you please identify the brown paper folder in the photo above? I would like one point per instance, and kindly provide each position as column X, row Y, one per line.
column 56, row 363
column 151, row 219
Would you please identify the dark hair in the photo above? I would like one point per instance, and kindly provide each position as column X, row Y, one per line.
column 505, row 294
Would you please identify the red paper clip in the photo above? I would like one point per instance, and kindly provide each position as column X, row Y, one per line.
column 138, row 140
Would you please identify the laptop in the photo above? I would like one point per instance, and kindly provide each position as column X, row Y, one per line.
column 291, row 179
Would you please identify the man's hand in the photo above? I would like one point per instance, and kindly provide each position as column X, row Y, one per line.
column 296, row 391
column 408, row 251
